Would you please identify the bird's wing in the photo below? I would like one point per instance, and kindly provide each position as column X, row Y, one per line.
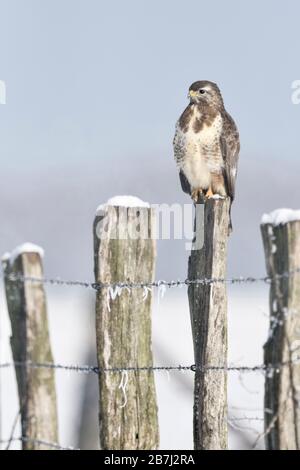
column 179, row 146
column 230, row 147
column 185, row 185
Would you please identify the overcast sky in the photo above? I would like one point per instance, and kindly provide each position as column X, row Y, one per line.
column 94, row 90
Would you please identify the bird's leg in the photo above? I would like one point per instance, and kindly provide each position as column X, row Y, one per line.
column 195, row 194
column 209, row 193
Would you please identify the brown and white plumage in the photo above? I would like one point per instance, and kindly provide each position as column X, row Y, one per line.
column 206, row 144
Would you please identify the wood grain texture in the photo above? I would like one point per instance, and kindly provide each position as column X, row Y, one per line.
column 208, row 309
column 30, row 342
column 282, row 387
column 123, row 327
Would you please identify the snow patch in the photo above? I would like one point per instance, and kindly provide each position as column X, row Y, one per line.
column 123, row 201
column 281, row 217
column 5, row 257
column 25, row 248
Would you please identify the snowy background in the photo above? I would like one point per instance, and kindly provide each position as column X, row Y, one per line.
column 93, row 92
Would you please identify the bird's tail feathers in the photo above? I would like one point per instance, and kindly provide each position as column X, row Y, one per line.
column 230, row 229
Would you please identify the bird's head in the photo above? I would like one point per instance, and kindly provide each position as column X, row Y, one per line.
column 205, row 93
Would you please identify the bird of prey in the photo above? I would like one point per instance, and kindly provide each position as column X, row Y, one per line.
column 206, row 145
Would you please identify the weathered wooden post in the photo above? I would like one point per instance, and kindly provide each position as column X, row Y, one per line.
column 281, row 239
column 208, row 309
column 26, row 302
column 124, row 249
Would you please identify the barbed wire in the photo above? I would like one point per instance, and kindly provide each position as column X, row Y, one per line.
column 14, row 425
column 86, row 369
column 154, row 284
column 245, row 418
column 54, row 445
column 41, row 442
column 148, row 286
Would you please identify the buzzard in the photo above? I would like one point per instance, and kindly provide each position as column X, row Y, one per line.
column 206, row 145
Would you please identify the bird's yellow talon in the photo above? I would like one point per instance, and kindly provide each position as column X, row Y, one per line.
column 209, row 193
column 195, row 194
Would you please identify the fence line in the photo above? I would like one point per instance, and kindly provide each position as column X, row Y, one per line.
column 231, row 420
column 86, row 369
column 52, row 445
column 115, row 288
column 245, row 418
column 158, row 283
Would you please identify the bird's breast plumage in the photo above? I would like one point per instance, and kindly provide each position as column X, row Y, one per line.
column 197, row 145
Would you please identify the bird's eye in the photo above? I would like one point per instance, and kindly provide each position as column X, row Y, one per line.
column 202, row 91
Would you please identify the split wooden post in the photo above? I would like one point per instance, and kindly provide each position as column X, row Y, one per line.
column 124, row 250
column 26, row 302
column 208, row 309
column 281, row 240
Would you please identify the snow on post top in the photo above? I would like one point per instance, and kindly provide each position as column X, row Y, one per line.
column 280, row 217
column 5, row 257
column 25, row 248
column 123, row 201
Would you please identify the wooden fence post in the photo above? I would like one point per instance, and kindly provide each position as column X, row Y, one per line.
column 26, row 302
column 208, row 309
column 124, row 250
column 281, row 239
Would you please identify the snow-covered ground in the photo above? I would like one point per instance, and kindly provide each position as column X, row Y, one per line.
column 71, row 318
